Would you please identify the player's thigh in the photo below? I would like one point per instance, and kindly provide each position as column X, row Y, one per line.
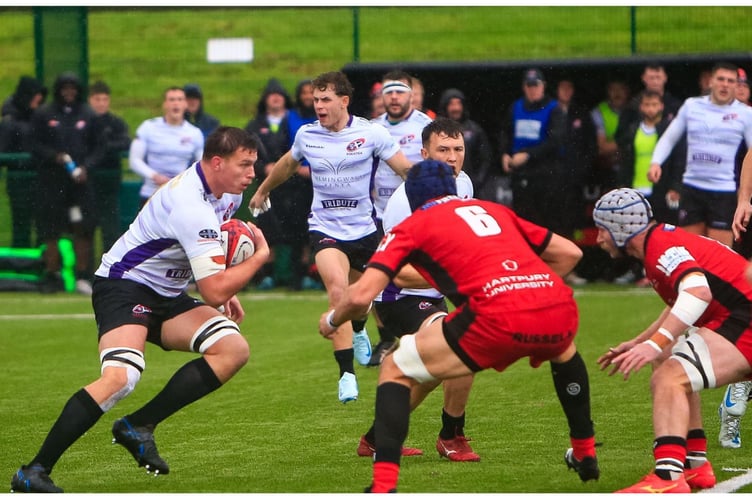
column 438, row 358
column 132, row 336
column 334, row 269
column 729, row 364
column 180, row 332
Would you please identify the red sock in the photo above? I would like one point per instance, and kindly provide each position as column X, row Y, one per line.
column 697, row 445
column 583, row 447
column 385, row 475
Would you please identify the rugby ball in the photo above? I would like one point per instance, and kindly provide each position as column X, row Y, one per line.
column 237, row 241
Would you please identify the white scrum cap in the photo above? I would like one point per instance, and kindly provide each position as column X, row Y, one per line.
column 623, row 213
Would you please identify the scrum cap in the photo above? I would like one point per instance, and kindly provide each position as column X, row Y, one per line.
column 427, row 180
column 623, row 213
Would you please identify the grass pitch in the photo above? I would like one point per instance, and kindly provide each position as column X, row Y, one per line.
column 277, row 427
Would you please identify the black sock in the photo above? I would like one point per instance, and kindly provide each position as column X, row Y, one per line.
column 358, row 324
column 392, row 421
column 191, row 382
column 451, row 427
column 573, row 389
column 79, row 414
column 344, row 359
column 371, row 434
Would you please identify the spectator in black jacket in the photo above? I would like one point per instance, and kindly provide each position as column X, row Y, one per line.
column 195, row 114
column 107, row 174
column 21, row 181
column 64, row 145
column 478, row 152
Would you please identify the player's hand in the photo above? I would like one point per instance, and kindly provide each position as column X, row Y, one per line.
column 607, row 358
column 742, row 216
column 261, row 247
column 631, row 361
column 259, row 204
column 234, row 310
column 654, row 172
column 325, row 329
column 672, row 199
column 506, row 163
column 160, row 179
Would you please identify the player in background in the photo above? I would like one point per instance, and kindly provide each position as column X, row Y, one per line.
column 714, row 125
column 166, row 145
column 511, row 303
column 140, row 296
column 341, row 150
column 404, row 310
column 707, row 295
column 405, row 124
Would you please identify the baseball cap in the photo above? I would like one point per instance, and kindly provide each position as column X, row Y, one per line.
column 192, row 90
column 742, row 77
column 533, row 76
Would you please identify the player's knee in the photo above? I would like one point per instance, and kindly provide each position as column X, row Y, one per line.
column 221, row 336
column 121, row 371
column 236, row 349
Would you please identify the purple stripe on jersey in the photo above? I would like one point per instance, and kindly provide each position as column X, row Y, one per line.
column 201, row 177
column 140, row 254
column 372, row 184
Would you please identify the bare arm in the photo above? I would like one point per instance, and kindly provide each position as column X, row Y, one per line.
column 743, row 205
column 400, row 164
column 356, row 301
column 409, row 277
column 280, row 172
column 561, row 255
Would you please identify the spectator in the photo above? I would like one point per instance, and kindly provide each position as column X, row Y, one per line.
column 165, row 145
column 341, row 149
column 419, row 94
column 271, row 126
column 195, row 114
column 742, row 88
column 107, row 173
column 301, row 114
column 21, row 181
column 478, row 152
column 715, row 125
column 654, row 78
column 531, row 131
column 636, row 147
column 65, row 145
column 577, row 154
column 606, row 119
column 377, row 102
column 703, row 81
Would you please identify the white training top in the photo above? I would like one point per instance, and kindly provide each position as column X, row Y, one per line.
column 172, row 236
column 398, row 209
column 713, row 136
column 408, row 133
column 165, row 149
column 342, row 168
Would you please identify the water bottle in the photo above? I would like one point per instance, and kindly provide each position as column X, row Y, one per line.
column 70, row 166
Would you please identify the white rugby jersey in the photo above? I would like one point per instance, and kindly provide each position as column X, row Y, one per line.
column 168, row 150
column 713, row 136
column 408, row 134
column 179, row 223
column 398, row 209
column 342, row 168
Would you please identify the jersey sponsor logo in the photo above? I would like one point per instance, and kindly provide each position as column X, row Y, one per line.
column 356, row 144
column 327, row 241
column 510, row 265
column 730, row 116
column 185, row 140
column 229, row 211
column 180, row 274
column 527, row 129
column 313, row 146
column 339, row 203
column 672, row 258
column 546, row 338
column 407, row 139
column 424, row 304
column 504, row 284
column 386, row 192
column 708, row 157
column 208, row 234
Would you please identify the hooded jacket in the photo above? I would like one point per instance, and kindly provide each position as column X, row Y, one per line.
column 60, row 127
column 204, row 121
column 275, row 143
column 15, row 128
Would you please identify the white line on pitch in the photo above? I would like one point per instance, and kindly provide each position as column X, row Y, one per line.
column 731, row 485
